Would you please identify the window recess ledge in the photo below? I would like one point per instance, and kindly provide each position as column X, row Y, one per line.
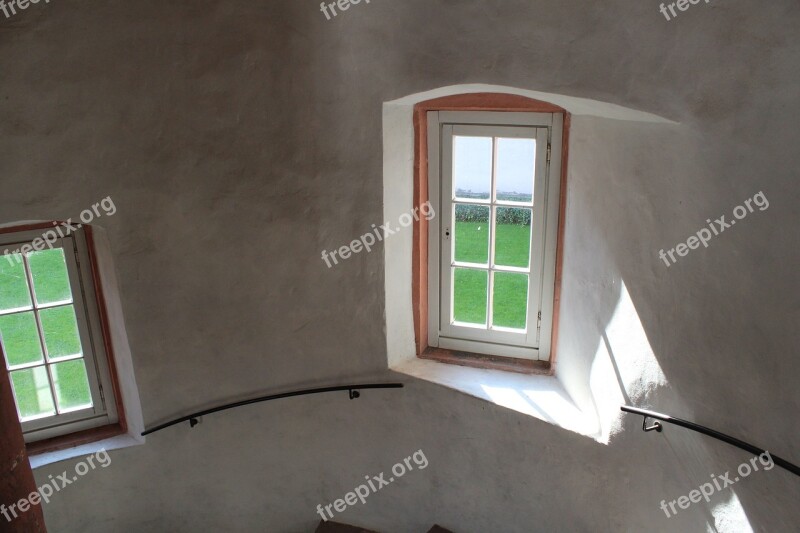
column 128, row 431
column 475, row 360
column 537, row 395
column 112, row 443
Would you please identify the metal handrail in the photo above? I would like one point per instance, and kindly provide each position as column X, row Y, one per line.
column 352, row 389
column 657, row 426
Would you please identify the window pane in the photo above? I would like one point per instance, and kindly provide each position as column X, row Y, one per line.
column 71, row 385
column 509, row 306
column 13, row 283
column 472, row 167
column 472, row 233
column 20, row 338
column 470, row 295
column 513, row 237
column 50, row 279
column 515, row 169
column 32, row 392
column 60, row 331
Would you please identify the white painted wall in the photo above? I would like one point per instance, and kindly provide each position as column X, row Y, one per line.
column 239, row 139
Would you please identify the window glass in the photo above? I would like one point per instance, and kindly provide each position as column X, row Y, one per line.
column 472, row 167
column 40, row 335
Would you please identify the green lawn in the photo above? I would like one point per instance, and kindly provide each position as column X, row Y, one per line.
column 471, row 285
column 20, row 338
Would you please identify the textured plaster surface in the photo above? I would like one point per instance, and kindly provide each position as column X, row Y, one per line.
column 239, row 139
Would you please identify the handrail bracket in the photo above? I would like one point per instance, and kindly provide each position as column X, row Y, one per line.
column 656, row 426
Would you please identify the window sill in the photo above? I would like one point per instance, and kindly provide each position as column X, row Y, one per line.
column 474, row 360
column 81, row 444
column 536, row 395
column 115, row 436
column 72, row 440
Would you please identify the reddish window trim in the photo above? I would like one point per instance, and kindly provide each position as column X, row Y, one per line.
column 120, row 427
column 419, row 283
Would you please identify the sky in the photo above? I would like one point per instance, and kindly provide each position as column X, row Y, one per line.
column 472, row 164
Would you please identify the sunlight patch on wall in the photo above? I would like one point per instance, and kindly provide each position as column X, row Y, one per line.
column 625, row 369
column 549, row 405
column 730, row 517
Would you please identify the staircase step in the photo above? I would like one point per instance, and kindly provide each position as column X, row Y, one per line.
column 336, row 527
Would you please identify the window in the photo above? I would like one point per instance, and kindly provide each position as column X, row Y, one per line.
column 495, row 177
column 51, row 335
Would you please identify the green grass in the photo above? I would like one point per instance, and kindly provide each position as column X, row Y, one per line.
column 470, row 295
column 13, row 286
column 510, row 299
column 50, row 281
column 471, row 286
column 60, row 331
column 20, row 339
column 32, row 391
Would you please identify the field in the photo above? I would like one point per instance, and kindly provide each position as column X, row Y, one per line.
column 20, row 338
column 471, row 286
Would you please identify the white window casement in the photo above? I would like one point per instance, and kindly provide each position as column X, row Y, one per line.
column 496, row 178
column 51, row 335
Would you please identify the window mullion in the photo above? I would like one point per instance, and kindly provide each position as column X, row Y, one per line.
column 492, row 237
column 50, row 380
column 511, row 270
column 35, row 309
column 40, row 332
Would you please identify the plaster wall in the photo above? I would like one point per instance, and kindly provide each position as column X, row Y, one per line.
column 240, row 139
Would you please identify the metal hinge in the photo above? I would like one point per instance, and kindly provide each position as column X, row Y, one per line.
column 539, row 322
column 102, row 394
column 549, row 150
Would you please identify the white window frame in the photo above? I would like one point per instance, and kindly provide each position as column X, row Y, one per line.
column 443, row 332
column 104, row 409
